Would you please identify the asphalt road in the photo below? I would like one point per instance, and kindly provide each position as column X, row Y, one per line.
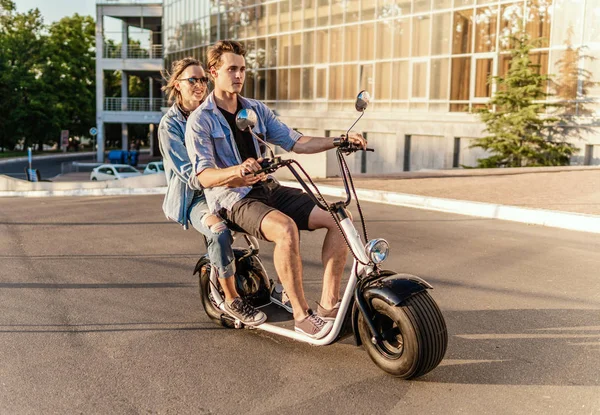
column 100, row 314
column 48, row 168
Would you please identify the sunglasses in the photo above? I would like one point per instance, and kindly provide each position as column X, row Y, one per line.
column 194, row 81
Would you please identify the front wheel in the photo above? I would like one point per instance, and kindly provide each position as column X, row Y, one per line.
column 414, row 336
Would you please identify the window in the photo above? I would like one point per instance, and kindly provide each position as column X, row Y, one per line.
column 400, row 80
column 385, row 37
column 440, row 42
column 461, row 36
column 307, row 83
column 351, row 43
column 420, row 40
column 367, row 41
column 401, row 37
column 335, row 82
column 382, row 87
column 538, row 21
column 485, row 29
column 438, row 88
column 282, row 87
column 350, row 81
column 419, row 80
column 460, row 78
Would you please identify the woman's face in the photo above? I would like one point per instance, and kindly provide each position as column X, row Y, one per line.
column 191, row 84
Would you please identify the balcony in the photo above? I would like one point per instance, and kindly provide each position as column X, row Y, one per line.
column 114, row 104
column 134, row 51
column 128, row 2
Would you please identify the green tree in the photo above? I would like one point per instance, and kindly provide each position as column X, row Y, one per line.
column 518, row 130
column 21, row 44
column 70, row 72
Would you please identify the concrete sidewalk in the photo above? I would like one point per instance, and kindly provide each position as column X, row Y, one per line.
column 567, row 189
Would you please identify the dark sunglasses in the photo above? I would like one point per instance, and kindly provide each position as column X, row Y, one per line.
column 194, row 81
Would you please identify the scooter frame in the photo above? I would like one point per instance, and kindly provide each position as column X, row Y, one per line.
column 357, row 269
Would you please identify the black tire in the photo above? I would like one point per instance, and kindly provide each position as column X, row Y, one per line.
column 94, row 179
column 415, row 336
column 210, row 307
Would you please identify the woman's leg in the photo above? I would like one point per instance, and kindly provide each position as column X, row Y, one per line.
column 218, row 244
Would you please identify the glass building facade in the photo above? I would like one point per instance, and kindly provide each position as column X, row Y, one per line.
column 414, row 56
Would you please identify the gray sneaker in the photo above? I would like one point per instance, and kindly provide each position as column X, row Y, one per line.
column 279, row 297
column 245, row 312
column 328, row 315
column 313, row 326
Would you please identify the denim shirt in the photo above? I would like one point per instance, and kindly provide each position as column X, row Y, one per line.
column 181, row 181
column 210, row 144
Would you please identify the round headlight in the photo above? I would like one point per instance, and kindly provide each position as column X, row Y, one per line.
column 377, row 250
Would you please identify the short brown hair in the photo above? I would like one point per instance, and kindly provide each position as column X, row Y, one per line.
column 177, row 69
column 218, row 49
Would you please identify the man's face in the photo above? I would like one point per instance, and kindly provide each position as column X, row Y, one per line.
column 230, row 76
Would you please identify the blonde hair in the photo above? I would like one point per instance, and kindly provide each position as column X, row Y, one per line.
column 177, row 69
column 218, row 49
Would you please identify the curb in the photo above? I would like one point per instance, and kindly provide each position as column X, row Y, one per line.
column 105, row 191
column 49, row 156
column 551, row 218
column 564, row 220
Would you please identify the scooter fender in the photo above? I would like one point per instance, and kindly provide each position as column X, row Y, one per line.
column 392, row 288
column 204, row 260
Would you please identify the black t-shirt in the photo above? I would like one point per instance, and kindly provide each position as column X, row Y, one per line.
column 243, row 139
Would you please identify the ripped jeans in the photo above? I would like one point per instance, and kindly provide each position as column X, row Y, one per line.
column 218, row 244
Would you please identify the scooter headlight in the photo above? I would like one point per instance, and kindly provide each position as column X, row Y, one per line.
column 377, row 250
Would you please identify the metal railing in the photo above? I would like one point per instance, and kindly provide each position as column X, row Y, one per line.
column 133, row 52
column 133, row 104
column 128, row 1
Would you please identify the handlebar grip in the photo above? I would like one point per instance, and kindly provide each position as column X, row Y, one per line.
column 370, row 149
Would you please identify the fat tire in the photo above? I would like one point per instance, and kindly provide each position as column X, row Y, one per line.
column 213, row 313
column 424, row 333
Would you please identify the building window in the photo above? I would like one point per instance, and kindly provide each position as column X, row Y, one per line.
column 486, row 20
column 440, row 41
column 462, row 28
column 420, row 40
column 419, row 80
column 459, row 86
column 439, row 79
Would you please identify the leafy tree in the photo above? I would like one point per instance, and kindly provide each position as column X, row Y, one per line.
column 70, row 72
column 47, row 77
column 518, row 131
column 21, row 43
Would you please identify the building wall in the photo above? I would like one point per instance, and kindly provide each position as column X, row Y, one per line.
column 425, row 62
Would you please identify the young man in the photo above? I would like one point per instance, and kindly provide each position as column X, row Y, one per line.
column 225, row 158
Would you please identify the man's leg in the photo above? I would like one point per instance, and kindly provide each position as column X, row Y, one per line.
column 333, row 255
column 281, row 229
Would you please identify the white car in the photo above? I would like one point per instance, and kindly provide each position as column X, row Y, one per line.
column 113, row 172
column 154, row 167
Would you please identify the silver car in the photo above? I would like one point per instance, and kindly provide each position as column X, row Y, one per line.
column 113, row 172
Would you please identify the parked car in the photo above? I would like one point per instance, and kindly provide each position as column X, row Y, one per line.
column 113, row 172
column 154, row 167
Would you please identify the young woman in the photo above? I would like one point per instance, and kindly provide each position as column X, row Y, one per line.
column 184, row 202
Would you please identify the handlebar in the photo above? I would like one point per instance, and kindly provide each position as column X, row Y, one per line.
column 347, row 147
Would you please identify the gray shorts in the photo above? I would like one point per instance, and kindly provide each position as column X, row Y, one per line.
column 248, row 213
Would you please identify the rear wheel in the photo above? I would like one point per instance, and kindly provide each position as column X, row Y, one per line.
column 414, row 336
column 94, row 179
column 210, row 306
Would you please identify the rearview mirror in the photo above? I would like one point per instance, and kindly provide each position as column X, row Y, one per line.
column 245, row 118
column 362, row 101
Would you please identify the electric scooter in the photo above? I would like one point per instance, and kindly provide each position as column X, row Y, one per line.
column 391, row 314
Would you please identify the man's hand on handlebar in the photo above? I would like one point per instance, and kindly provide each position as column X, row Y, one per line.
column 245, row 174
column 357, row 139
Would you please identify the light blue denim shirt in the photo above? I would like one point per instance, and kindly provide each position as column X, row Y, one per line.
column 181, row 181
column 210, row 144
